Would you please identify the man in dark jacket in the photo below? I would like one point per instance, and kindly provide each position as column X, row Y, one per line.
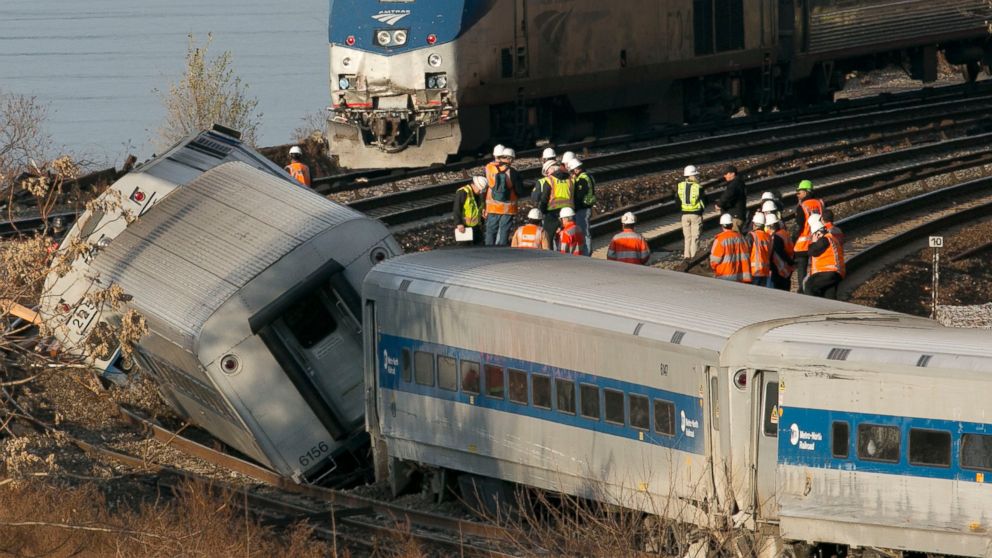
column 734, row 198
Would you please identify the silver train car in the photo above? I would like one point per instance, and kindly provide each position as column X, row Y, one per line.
column 806, row 420
column 415, row 81
column 250, row 288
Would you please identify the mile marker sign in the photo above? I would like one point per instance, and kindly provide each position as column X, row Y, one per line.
column 936, row 242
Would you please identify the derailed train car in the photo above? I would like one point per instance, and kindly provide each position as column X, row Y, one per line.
column 250, row 288
column 806, row 420
column 414, row 81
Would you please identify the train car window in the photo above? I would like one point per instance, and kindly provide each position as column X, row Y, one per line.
column 715, row 402
column 309, row 320
column 447, row 373
column 771, row 410
column 565, row 391
column 540, row 388
column 407, row 366
column 589, row 401
column 518, row 386
column 640, row 414
column 929, row 447
column 878, row 443
column 840, row 439
column 423, row 368
column 664, row 417
column 614, row 406
column 470, row 377
column 494, row 381
column 976, row 451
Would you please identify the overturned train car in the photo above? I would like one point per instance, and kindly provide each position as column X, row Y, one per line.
column 250, row 288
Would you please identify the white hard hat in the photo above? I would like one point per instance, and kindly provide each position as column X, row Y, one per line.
column 548, row 153
column 690, row 171
column 770, row 219
column 759, row 218
column 480, row 182
column 726, row 219
column 768, row 196
column 815, row 222
column 566, row 212
column 628, row 218
column 295, row 150
column 567, row 156
column 508, row 152
column 549, row 167
column 535, row 214
column 498, row 150
column 769, row 206
column 573, row 164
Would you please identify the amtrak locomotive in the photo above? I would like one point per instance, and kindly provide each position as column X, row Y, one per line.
column 414, row 81
column 805, row 420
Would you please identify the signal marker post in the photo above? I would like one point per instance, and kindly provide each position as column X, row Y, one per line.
column 936, row 243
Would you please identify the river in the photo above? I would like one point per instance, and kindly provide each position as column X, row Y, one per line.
column 97, row 64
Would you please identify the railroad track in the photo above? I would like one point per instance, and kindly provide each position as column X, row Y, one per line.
column 353, row 180
column 403, row 210
column 660, row 222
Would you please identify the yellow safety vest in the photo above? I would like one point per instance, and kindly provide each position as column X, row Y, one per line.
column 470, row 210
column 693, row 203
column 562, row 193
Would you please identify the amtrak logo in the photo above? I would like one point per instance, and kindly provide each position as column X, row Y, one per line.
column 391, row 17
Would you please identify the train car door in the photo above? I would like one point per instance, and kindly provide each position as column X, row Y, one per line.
column 767, row 417
column 324, row 338
column 719, row 447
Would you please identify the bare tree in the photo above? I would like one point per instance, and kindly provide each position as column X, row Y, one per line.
column 22, row 135
column 209, row 92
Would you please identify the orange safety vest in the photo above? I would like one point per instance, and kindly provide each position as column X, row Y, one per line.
column 629, row 247
column 761, row 250
column 528, row 236
column 783, row 267
column 728, row 259
column 571, row 240
column 300, row 172
column 832, row 259
column 495, row 207
column 808, row 207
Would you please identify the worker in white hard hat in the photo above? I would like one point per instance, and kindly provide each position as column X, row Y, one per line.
column 557, row 191
column 729, row 256
column 692, row 200
column 565, row 158
column 772, row 197
column 531, row 235
column 826, row 261
column 628, row 245
column 548, row 155
column 769, row 207
column 498, row 151
column 467, row 213
column 569, row 238
column 505, row 187
column 296, row 168
column 782, row 253
column 585, row 197
column 759, row 242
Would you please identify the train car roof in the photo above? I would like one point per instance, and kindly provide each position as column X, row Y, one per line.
column 648, row 302
column 201, row 243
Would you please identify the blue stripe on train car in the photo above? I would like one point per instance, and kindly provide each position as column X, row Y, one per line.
column 445, row 19
column 688, row 416
column 806, row 439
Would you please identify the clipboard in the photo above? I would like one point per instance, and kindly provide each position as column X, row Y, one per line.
column 467, row 236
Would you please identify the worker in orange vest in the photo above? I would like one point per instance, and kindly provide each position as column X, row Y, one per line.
column 760, row 256
column 296, row 168
column 569, row 239
column 782, row 253
column 729, row 256
column 505, row 187
column 628, row 245
column 809, row 205
column 531, row 235
column 827, row 267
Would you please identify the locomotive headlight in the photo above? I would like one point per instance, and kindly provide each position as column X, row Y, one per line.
column 399, row 37
column 440, row 82
column 346, row 62
column 383, row 38
column 434, row 60
column 343, row 83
